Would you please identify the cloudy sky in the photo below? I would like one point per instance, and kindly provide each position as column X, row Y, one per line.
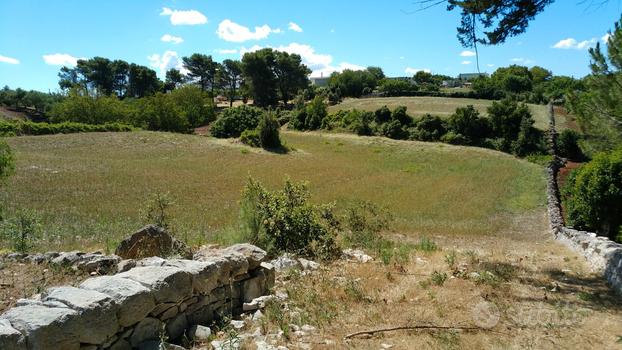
column 38, row 37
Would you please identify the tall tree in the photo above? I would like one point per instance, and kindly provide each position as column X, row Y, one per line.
column 259, row 76
column 120, row 77
column 202, row 69
column 598, row 108
column 174, row 79
column 98, row 73
column 142, row 82
column 291, row 74
column 230, row 78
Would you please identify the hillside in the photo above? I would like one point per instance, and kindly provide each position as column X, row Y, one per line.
column 441, row 106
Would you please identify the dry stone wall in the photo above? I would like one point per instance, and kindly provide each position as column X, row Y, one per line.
column 603, row 255
column 157, row 299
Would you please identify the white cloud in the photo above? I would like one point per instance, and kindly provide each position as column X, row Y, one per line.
column 189, row 17
column 571, row 43
column 60, row 59
column 466, row 62
column 413, row 71
column 169, row 59
column 606, row 37
column 320, row 64
column 167, row 38
column 467, row 53
column 490, row 65
column 226, row 51
column 9, row 60
column 522, row 60
column 231, row 31
column 295, row 27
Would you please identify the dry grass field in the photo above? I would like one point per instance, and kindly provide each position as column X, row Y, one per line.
column 441, row 106
column 91, row 188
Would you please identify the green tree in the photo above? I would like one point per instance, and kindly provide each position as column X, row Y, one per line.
column 291, row 74
column 598, row 108
column 229, row 78
column 143, row 81
column 269, row 131
column 259, row 76
column 466, row 121
column 120, row 77
column 173, row 79
column 201, row 69
column 593, row 195
column 194, row 105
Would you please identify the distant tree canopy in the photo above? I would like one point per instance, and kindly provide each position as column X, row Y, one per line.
column 201, row 70
column 272, row 75
column 20, row 99
column 102, row 76
column 352, row 83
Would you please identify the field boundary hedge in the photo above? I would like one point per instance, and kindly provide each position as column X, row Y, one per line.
column 22, row 128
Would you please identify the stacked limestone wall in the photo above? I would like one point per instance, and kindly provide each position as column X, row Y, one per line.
column 603, row 255
column 158, row 299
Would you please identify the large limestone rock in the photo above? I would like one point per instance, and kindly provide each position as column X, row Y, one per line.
column 11, row 338
column 97, row 312
column 135, row 300
column 149, row 241
column 237, row 263
column 204, row 273
column 254, row 255
column 45, row 327
column 168, row 284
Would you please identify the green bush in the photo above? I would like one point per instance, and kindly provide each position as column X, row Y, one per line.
column 568, row 145
column 194, row 104
column 428, row 128
column 160, row 112
column 233, row 121
column 19, row 128
column 268, row 130
column 593, row 195
column 7, row 162
column 285, row 221
column 393, row 130
column 455, row 139
column 466, row 121
column 250, row 138
column 399, row 114
column 382, row 115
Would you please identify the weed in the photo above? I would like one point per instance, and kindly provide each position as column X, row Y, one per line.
column 438, row 278
column 426, row 245
column 448, row 339
column 585, row 296
column 450, row 260
column 354, row 291
column 157, row 210
column 273, row 313
column 23, row 230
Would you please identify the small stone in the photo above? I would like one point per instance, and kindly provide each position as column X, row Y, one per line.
column 126, row 265
column 199, row 333
column 149, row 241
column 285, row 262
column 308, row 264
column 307, row 328
column 237, row 324
column 386, row 346
column 356, row 255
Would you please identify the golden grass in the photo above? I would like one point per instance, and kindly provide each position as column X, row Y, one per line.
column 441, row 106
column 91, row 187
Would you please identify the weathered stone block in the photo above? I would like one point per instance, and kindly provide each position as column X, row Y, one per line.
column 205, row 274
column 168, row 284
column 11, row 338
column 147, row 329
column 134, row 299
column 97, row 312
column 149, row 241
column 45, row 327
column 176, row 326
column 254, row 255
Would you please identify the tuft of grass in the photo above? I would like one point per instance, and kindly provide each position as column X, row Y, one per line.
column 426, row 245
column 438, row 278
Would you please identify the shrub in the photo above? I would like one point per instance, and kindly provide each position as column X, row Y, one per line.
column 233, row 121
column 529, row 141
column 568, row 144
column 22, row 230
column 393, row 130
column 360, row 123
column 12, row 128
column 312, row 116
column 506, row 117
column 593, row 195
column 160, row 112
column 251, row 138
column 466, row 121
column 399, row 114
column 157, row 209
column 382, row 115
column 428, row 128
column 455, row 139
column 195, row 105
column 268, row 131
column 285, row 221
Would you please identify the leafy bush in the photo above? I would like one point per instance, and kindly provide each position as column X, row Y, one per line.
column 396, row 87
column 268, row 131
column 160, row 112
column 399, row 114
column 382, row 115
column 529, row 140
column 593, row 195
column 233, row 121
column 23, row 230
column 285, row 221
column 568, row 144
column 428, row 128
column 156, row 211
column 195, row 105
column 17, row 128
column 468, row 123
column 81, row 108
column 251, row 138
column 393, row 130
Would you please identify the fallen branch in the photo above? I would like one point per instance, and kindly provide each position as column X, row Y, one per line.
column 430, row 327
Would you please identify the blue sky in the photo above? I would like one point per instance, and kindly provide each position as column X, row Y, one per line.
column 38, row 37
